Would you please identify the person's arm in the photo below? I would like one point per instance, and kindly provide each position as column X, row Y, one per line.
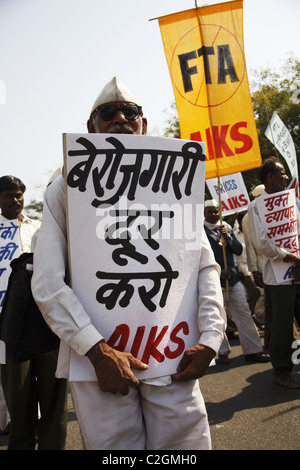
column 114, row 368
column 211, row 318
column 254, row 259
column 250, row 250
column 260, row 240
column 231, row 241
column 61, row 308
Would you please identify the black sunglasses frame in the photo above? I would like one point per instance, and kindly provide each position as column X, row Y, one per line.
column 107, row 112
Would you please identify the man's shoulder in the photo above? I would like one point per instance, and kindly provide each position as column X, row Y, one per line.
column 208, row 230
column 34, row 222
column 252, row 207
column 56, row 187
column 252, row 203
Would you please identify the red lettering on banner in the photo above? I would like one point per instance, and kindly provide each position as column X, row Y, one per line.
column 151, row 346
column 196, row 136
column 119, row 339
column 234, row 202
column 137, row 341
column 295, row 184
column 121, row 332
column 238, row 137
column 210, row 144
column 243, row 199
column 216, row 140
column 177, row 340
column 219, row 137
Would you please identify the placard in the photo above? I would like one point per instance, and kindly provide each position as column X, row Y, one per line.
column 234, row 196
column 135, row 219
column 280, row 136
column 9, row 249
column 278, row 215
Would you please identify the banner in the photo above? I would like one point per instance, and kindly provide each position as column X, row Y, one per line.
column 281, row 138
column 9, row 249
column 278, row 215
column 204, row 48
column 234, row 195
column 135, row 219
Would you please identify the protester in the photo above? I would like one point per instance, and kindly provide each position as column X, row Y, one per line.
column 283, row 299
column 253, row 292
column 120, row 412
column 255, row 265
column 30, row 387
column 237, row 307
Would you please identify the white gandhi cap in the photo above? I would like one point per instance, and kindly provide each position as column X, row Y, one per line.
column 113, row 92
column 211, row 203
column 258, row 190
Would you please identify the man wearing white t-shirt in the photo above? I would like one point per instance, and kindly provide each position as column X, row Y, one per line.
column 283, row 300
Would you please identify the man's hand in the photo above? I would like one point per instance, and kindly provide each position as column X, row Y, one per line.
column 258, row 279
column 225, row 274
column 224, row 232
column 293, row 257
column 113, row 368
column 194, row 363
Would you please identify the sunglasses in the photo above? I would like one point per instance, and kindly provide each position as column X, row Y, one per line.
column 107, row 112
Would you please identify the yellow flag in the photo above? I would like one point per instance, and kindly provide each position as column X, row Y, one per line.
column 204, row 48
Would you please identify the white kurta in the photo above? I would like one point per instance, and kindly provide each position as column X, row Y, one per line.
column 265, row 246
column 69, row 320
column 63, row 311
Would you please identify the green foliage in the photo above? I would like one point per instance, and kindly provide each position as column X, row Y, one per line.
column 34, row 209
column 273, row 91
column 172, row 123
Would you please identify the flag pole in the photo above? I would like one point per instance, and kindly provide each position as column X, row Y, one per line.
column 223, row 241
column 220, row 202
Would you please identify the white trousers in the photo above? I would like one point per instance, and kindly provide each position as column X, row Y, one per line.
column 171, row 417
column 238, row 309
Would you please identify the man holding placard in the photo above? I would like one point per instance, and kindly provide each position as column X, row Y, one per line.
column 116, row 410
column 31, row 384
column 275, row 234
column 221, row 236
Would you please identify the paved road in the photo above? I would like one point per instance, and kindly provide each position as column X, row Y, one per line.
column 246, row 410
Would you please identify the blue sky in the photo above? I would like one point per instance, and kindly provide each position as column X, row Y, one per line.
column 56, row 55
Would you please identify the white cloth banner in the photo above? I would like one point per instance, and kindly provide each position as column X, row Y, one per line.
column 9, row 249
column 135, row 219
column 234, row 195
column 278, row 215
column 281, row 138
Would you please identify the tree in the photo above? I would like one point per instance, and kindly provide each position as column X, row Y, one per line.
column 172, row 123
column 271, row 91
column 34, row 209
